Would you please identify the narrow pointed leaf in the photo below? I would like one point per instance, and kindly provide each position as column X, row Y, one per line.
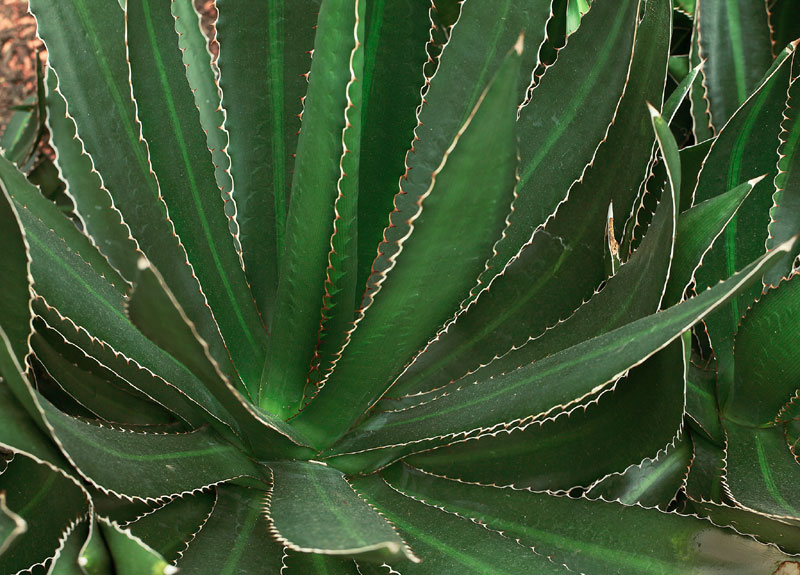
column 735, row 157
column 66, row 560
column 237, row 510
column 550, row 165
column 652, row 483
column 670, row 107
column 96, row 393
column 698, row 95
column 766, row 357
column 785, row 213
column 344, row 524
column 440, row 258
column 48, row 501
column 735, row 44
column 264, row 57
column 599, row 435
column 395, row 53
column 543, row 284
column 101, row 219
column 156, row 312
column 168, row 529
column 451, row 544
column 594, row 535
column 698, row 229
column 183, row 164
column 550, row 385
column 311, row 215
column 339, row 299
column 132, row 556
column 761, row 472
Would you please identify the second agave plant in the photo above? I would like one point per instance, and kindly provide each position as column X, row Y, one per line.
column 403, row 286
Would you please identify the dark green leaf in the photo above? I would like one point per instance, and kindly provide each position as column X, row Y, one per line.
column 305, row 280
column 11, row 524
column 737, row 155
column 169, row 529
column 100, row 218
column 761, row 472
column 453, row 225
column 735, row 46
column 156, row 312
column 48, row 500
column 86, row 42
column 130, row 555
column 634, row 421
column 66, row 559
column 785, row 213
column 313, row 564
column 548, row 386
column 560, row 105
column 767, row 357
column 451, row 545
column 343, row 524
column 239, row 511
column 562, row 265
column 652, row 483
column 698, row 95
column 181, row 160
column 594, row 536
column 264, row 58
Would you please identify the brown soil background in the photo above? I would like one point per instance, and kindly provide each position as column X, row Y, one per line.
column 18, row 46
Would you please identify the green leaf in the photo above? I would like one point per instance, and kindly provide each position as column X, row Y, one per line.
column 698, row 95
column 11, row 525
column 15, row 307
column 692, row 158
column 239, row 511
column 701, row 398
column 343, row 524
column 100, row 218
column 562, row 264
column 698, row 229
column 181, row 160
column 593, row 536
column 548, row 386
column 145, row 465
column 453, row 225
column 132, row 556
column 670, row 107
column 641, row 415
column 86, row 41
column 65, row 562
column 396, row 50
column 95, row 558
column 736, row 156
column 48, row 501
column 315, row 564
column 785, row 212
column 201, row 73
column 318, row 177
column 168, row 529
column 764, row 529
column 101, row 393
column 560, row 105
column 264, row 58
column 156, row 312
column 450, row 544
column 784, row 27
column 339, row 299
column 705, row 478
column 766, row 357
column 652, row 483
column 734, row 38
column 762, row 472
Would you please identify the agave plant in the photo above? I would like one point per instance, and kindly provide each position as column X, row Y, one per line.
column 403, row 287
